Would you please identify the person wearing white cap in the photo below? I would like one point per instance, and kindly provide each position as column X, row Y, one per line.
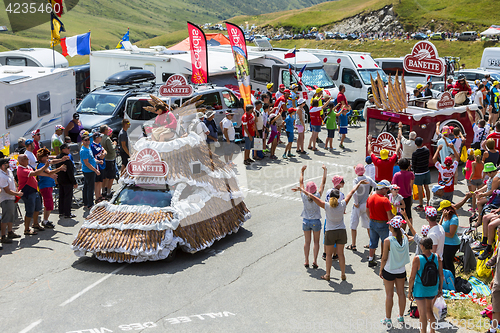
column 228, row 134
column 301, row 125
column 408, row 145
column 56, row 141
column 199, row 127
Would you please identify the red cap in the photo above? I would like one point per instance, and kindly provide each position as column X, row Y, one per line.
column 282, row 86
column 448, row 160
column 287, row 91
column 290, row 110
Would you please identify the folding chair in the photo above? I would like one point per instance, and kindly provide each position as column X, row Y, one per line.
column 79, row 181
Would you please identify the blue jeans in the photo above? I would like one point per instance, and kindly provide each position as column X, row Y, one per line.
column 88, row 188
column 32, row 203
column 314, row 225
column 378, row 231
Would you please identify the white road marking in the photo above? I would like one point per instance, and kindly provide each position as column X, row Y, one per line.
column 31, row 326
column 92, row 286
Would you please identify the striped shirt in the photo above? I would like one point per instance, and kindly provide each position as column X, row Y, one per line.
column 420, row 160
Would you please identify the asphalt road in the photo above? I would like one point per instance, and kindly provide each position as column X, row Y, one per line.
column 251, row 281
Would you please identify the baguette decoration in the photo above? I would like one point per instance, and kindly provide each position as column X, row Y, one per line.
column 375, row 93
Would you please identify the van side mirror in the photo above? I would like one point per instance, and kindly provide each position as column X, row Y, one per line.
column 357, row 83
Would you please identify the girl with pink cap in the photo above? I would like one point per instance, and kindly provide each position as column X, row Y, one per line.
column 311, row 215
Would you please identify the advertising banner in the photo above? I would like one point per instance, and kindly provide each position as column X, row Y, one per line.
column 199, row 54
column 239, row 48
column 424, row 59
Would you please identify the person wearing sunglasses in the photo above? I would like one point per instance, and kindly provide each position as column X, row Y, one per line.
column 35, row 135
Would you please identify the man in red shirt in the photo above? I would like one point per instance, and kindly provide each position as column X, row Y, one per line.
column 495, row 136
column 462, row 85
column 384, row 164
column 248, row 126
column 36, row 140
column 341, row 100
column 379, row 209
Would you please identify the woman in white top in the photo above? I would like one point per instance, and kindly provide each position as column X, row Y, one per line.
column 335, row 228
column 311, row 216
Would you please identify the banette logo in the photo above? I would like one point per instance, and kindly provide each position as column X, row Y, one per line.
column 384, row 141
column 424, row 60
column 176, row 86
column 147, row 163
column 446, row 101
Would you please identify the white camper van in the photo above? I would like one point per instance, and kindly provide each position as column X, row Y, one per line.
column 36, row 57
column 491, row 59
column 35, row 98
column 353, row 70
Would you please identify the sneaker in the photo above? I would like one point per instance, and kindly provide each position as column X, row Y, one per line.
column 419, row 208
column 6, row 240
column 303, row 152
column 12, row 235
column 486, row 254
column 48, row 225
column 291, row 155
column 401, row 320
column 284, row 156
column 250, row 160
column 342, row 146
column 247, row 162
column 372, row 263
column 387, row 322
column 265, row 151
column 479, row 247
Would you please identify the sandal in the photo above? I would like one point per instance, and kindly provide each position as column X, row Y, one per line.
column 366, row 246
column 30, row 233
column 314, row 149
column 306, row 265
column 351, row 247
column 315, row 266
column 38, row 227
column 325, row 277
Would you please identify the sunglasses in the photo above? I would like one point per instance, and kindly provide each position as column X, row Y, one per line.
column 86, row 140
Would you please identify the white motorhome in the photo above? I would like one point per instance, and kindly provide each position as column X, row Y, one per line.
column 33, row 57
column 35, row 98
column 351, row 69
column 491, row 59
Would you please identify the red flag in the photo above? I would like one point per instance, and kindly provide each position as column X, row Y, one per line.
column 57, row 7
column 239, row 48
column 199, row 54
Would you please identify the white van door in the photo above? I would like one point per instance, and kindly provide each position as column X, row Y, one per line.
column 352, row 83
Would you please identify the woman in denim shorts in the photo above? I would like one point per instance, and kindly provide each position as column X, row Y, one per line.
column 311, row 216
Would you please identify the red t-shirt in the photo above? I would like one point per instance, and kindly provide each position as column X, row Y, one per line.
column 22, row 176
column 378, row 205
column 37, row 146
column 315, row 115
column 248, row 120
column 495, row 136
column 280, row 102
column 384, row 168
column 340, row 98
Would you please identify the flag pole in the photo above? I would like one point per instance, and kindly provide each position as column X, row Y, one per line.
column 53, row 55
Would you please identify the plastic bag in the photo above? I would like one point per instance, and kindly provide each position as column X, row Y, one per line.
column 482, row 270
column 258, row 144
column 415, row 192
column 439, row 308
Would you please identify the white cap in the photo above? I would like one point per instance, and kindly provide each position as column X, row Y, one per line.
column 300, row 101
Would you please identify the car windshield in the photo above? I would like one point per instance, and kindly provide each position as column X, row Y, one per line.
column 96, row 103
column 139, row 196
column 317, row 77
column 495, row 76
column 365, row 75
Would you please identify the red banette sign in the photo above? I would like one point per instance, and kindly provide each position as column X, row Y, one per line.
column 384, row 141
column 446, row 101
column 147, row 163
column 176, row 86
column 424, row 60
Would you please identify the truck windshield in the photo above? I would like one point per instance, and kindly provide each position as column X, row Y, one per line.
column 377, row 126
column 365, row 75
column 317, row 77
column 102, row 104
column 139, row 196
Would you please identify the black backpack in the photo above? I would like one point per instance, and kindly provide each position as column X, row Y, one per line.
column 430, row 273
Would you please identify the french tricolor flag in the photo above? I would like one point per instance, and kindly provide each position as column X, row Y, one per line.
column 290, row 53
column 76, row 45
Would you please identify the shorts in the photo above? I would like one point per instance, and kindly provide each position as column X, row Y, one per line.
column 125, row 158
column 391, row 277
column 32, row 203
column 333, row 237
column 110, row 170
column 408, row 202
column 48, row 200
column 357, row 214
column 314, row 225
column 494, row 110
column 228, row 148
column 475, row 182
column 422, row 298
column 248, row 143
column 316, row 128
column 289, row 135
column 100, row 178
column 9, row 211
column 448, row 196
column 300, row 128
column 331, row 133
column 342, row 130
column 378, row 230
column 424, row 179
column 495, row 301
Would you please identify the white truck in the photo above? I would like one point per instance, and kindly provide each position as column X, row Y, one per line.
column 37, row 57
column 35, row 98
column 351, row 69
column 491, row 59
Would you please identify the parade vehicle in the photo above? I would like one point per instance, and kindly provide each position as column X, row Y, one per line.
column 174, row 193
column 353, row 70
column 35, row 98
column 33, row 57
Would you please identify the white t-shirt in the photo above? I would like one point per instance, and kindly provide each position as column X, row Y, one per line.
column 259, row 120
column 31, row 158
column 436, row 233
column 201, row 129
column 226, row 123
column 370, row 170
column 478, row 98
column 278, row 95
column 396, row 201
column 478, row 132
column 335, row 216
column 7, row 180
column 457, row 144
column 447, row 175
column 409, row 147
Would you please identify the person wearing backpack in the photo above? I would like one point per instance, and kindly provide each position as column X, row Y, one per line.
column 393, row 272
column 426, row 283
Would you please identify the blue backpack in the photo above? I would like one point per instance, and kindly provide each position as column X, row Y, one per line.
column 449, row 280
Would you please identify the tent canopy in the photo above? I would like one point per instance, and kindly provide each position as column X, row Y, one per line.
column 491, row 31
column 213, row 39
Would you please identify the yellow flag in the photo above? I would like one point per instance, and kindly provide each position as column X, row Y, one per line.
column 56, row 26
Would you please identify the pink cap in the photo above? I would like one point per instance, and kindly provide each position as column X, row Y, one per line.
column 336, row 180
column 446, row 130
column 311, row 187
column 359, row 170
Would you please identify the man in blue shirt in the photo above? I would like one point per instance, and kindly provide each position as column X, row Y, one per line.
column 89, row 168
column 212, row 127
column 446, row 143
column 99, row 154
column 289, row 122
